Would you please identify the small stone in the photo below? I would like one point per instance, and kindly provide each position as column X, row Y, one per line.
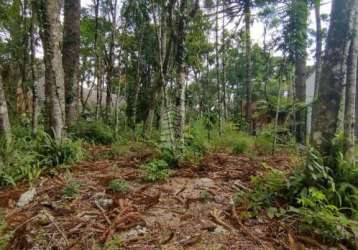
column 26, row 197
column 104, row 202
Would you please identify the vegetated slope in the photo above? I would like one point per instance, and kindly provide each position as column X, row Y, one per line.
column 193, row 209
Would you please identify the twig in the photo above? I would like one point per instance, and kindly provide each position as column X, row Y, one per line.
column 215, row 216
column 103, row 213
column 57, row 227
column 244, row 230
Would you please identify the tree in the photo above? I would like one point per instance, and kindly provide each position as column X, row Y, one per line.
column 5, row 129
column 248, row 67
column 296, row 45
column 70, row 57
column 333, row 74
column 54, row 81
column 350, row 99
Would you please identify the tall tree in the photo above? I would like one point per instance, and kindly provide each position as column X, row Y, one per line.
column 350, row 98
column 5, row 130
column 248, row 68
column 326, row 108
column 54, row 81
column 296, row 42
column 317, row 8
column 70, row 57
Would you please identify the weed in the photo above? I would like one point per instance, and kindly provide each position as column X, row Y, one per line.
column 71, row 190
column 114, row 243
column 118, row 186
column 156, row 170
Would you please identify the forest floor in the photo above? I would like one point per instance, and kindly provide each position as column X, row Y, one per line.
column 193, row 209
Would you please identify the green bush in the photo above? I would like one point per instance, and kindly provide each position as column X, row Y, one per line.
column 92, row 131
column 53, row 153
column 243, row 145
column 118, row 186
column 317, row 215
column 156, row 170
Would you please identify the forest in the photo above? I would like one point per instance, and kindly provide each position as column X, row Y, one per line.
column 178, row 124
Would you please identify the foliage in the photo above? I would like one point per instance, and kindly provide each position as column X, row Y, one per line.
column 53, row 153
column 115, row 243
column 266, row 189
column 27, row 157
column 318, row 215
column 71, row 190
column 118, row 186
column 5, row 235
column 156, row 170
column 92, row 131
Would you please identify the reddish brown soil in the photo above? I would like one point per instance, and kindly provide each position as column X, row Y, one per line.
column 192, row 210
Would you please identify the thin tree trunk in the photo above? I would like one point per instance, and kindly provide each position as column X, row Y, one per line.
column 5, row 129
column 317, row 7
column 180, row 77
column 53, row 68
column 71, row 56
column 350, row 100
column 223, row 60
column 248, row 68
column 326, row 108
column 34, row 117
column 217, row 69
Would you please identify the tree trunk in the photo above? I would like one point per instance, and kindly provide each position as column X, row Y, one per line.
column 299, row 23
column 217, row 69
column 350, row 100
column 317, row 6
column 5, row 130
column 34, row 118
column 326, row 108
column 71, row 56
column 180, row 77
column 248, row 68
column 54, row 80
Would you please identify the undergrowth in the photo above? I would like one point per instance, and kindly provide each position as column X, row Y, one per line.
column 26, row 157
column 321, row 196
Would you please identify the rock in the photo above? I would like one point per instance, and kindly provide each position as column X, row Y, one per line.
column 220, row 230
column 26, row 198
column 104, row 202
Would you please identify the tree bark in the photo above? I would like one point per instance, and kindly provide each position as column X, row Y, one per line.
column 5, row 129
column 180, row 77
column 71, row 56
column 34, row 115
column 317, row 7
column 54, row 80
column 350, row 99
column 326, row 108
column 248, row 66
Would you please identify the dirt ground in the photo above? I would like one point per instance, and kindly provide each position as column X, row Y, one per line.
column 192, row 210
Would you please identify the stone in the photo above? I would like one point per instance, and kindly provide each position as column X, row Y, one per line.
column 26, row 197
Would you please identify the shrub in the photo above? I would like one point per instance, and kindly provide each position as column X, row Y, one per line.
column 156, row 170
column 242, row 146
column 53, row 153
column 317, row 215
column 92, row 131
column 118, row 186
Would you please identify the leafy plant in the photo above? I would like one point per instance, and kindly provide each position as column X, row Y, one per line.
column 118, row 186
column 5, row 235
column 317, row 214
column 72, row 187
column 156, row 170
column 53, row 153
column 92, row 131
